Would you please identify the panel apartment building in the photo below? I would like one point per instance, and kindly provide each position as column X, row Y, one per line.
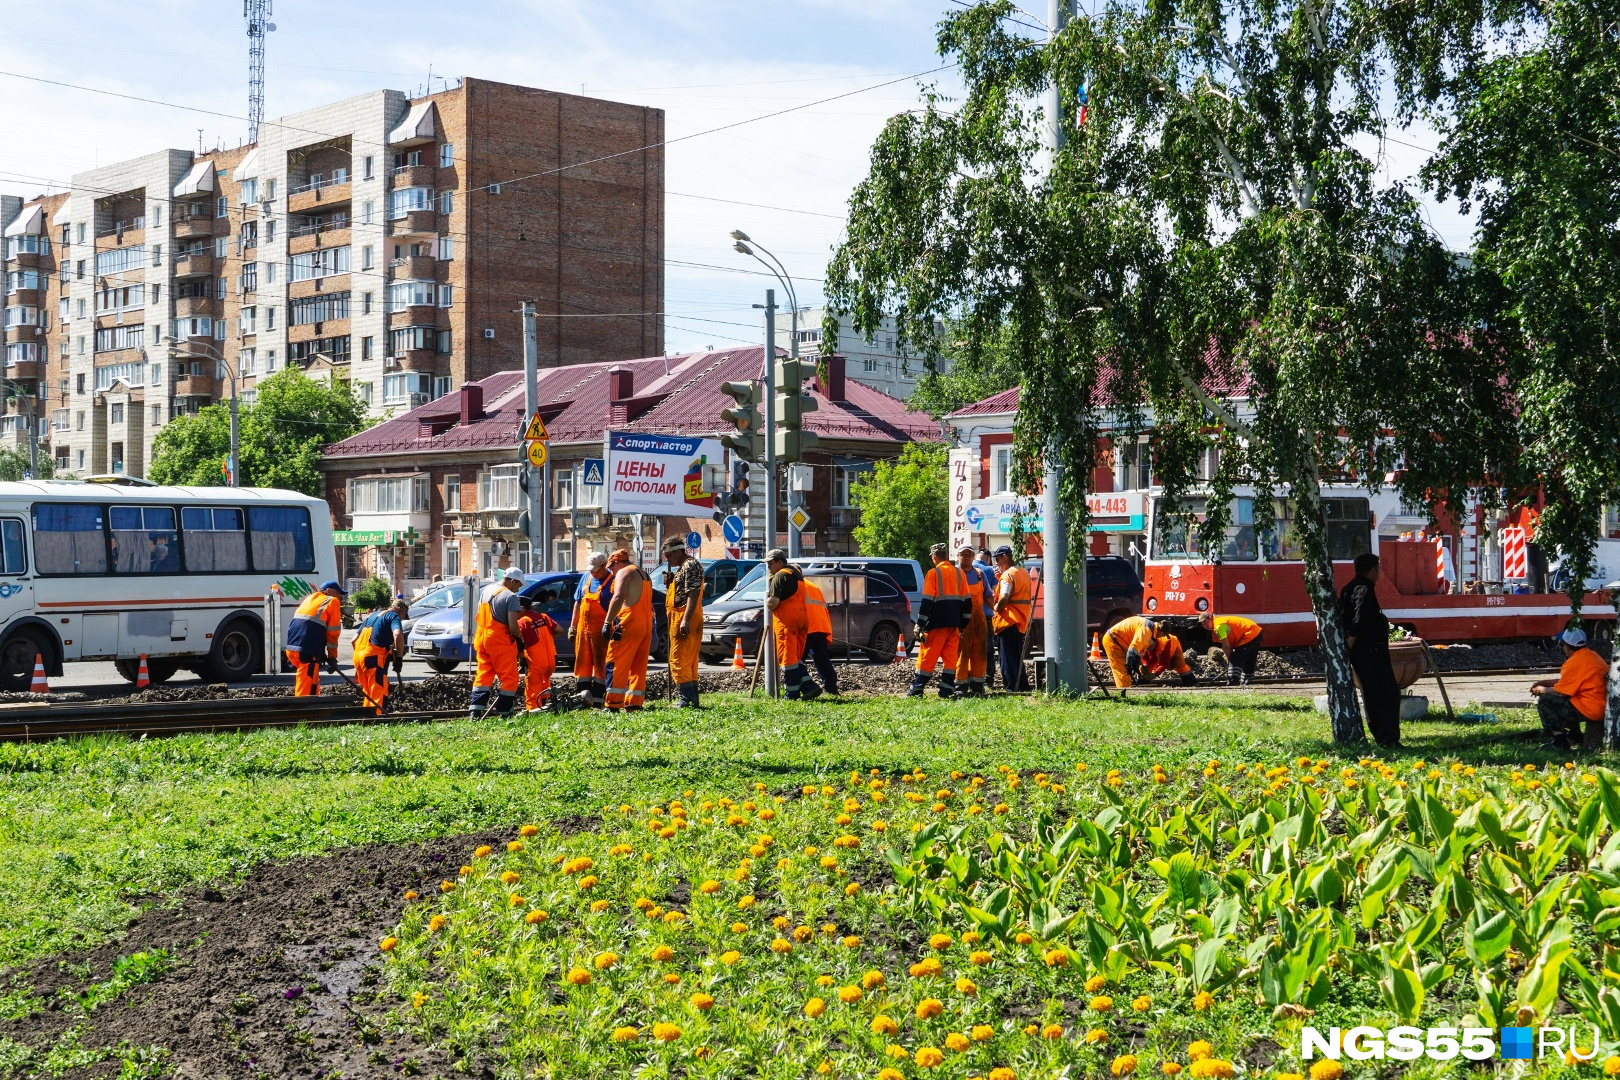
column 384, row 240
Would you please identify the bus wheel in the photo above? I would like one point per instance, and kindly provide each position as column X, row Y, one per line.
column 156, row 670
column 17, row 659
column 236, row 653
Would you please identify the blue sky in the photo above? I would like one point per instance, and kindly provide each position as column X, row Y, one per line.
column 707, row 63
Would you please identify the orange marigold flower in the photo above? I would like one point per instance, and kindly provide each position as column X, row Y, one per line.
column 1056, row 958
column 983, row 1033
column 702, row 1002
column 853, row 941
column 1123, row 1065
column 890, row 1074
column 803, row 933
column 535, row 916
column 884, row 1025
column 625, row 1034
column 1102, row 1003
column 1052, row 1031
column 410, row 894
column 872, row 980
column 939, row 941
column 1203, row 1000
column 672, row 979
column 605, row 960
column 598, row 906
column 1200, row 1050
column 730, row 957
column 578, row 976
column 929, row 1056
column 1023, row 937
column 666, row 1032
column 980, row 957
column 928, row 1008
column 1002, row 1073
column 662, row 953
column 480, row 851
column 1170, row 1068
column 510, row 877
column 964, row 985
column 957, row 1041
column 446, row 886
column 815, row 1007
column 849, row 994
column 927, row 967
column 1095, row 1036
column 437, row 923
column 781, row 945
column 852, row 889
column 710, row 886
column 1213, row 1069
column 1328, row 1069
column 1095, row 983
column 387, row 944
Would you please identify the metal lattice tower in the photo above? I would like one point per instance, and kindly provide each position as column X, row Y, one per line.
column 257, row 13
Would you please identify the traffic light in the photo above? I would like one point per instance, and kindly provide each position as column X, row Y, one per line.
column 747, row 441
column 792, row 402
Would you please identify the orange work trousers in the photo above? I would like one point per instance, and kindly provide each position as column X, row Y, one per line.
column 542, row 657
column 970, row 653
column 590, row 659
column 627, row 664
column 306, row 677
column 371, row 676
column 1116, row 661
column 497, row 659
column 940, row 646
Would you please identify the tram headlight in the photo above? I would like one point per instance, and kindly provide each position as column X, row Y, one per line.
column 1203, row 603
column 1153, row 603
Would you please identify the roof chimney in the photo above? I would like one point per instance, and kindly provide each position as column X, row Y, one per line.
column 621, row 388
column 472, row 403
column 835, row 378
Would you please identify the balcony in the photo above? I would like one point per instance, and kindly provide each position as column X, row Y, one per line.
column 414, row 267
column 331, row 283
column 193, row 228
column 199, row 385
column 187, row 306
column 193, row 264
column 325, row 236
column 26, row 298
column 318, row 196
column 423, row 360
column 28, row 260
column 25, row 370
column 415, row 175
column 414, row 315
column 415, row 223
column 311, row 331
column 132, row 235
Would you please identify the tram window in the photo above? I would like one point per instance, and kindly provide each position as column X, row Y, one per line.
column 215, row 539
column 1348, row 530
column 143, row 540
column 1175, row 536
column 282, row 541
column 69, row 538
column 12, row 549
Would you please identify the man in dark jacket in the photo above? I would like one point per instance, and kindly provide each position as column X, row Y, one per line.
column 1367, row 633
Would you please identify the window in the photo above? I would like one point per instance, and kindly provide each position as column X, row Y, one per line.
column 270, row 225
column 222, row 246
column 81, row 389
column 215, row 539
column 368, row 212
column 447, row 248
column 81, row 307
column 219, row 289
column 366, row 344
column 157, row 375
column 369, row 165
column 446, row 294
column 562, row 490
column 1001, row 470
column 79, row 343
column 129, row 374
column 270, row 318
column 250, row 277
column 79, row 232
column 843, row 481
column 389, row 495
column 450, row 563
column 447, row 155
column 26, row 245
column 248, row 360
column 405, row 294
column 282, row 540
column 452, row 493
column 78, row 267
column 441, row 341
column 110, row 301
column 408, row 338
column 366, row 257
column 362, row 392
column 22, row 279
column 335, row 349
column 118, row 260
column 117, row 412
column 441, row 386
column 318, row 308
column 122, row 337
column 60, row 419
column 498, row 488
column 248, row 321
column 250, row 191
column 403, row 201
column 201, row 326
column 269, row 273
column 222, row 206
column 1133, row 466
column 365, row 303
column 22, row 352
column 69, row 537
column 80, row 456
column 322, row 262
column 270, row 360
column 446, row 202
column 143, row 538
column 157, row 415
column 401, row 389
column 405, row 159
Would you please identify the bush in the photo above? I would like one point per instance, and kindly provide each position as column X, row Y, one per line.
column 374, row 594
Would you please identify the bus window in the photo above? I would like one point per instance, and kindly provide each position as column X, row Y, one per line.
column 69, row 539
column 215, row 540
column 282, row 541
column 13, row 552
column 143, row 540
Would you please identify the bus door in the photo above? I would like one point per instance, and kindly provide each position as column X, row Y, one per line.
column 16, row 580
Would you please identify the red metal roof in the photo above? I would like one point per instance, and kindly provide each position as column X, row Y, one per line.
column 672, row 395
column 994, row 405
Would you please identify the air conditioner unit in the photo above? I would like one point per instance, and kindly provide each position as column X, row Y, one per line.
column 390, row 363
column 419, row 399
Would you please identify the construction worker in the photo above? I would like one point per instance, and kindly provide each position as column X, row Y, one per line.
column 585, row 631
column 314, row 630
column 496, row 644
column 627, row 631
column 818, row 635
column 683, row 604
column 786, row 599
column 535, row 628
column 1165, row 655
column 987, row 566
column 940, row 622
column 1137, row 642
column 970, row 653
column 380, row 640
column 1010, row 622
column 1239, row 639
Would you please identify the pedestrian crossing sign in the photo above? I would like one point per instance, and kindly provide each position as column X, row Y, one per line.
column 536, row 430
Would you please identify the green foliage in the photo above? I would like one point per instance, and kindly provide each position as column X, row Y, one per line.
column 128, row 972
column 14, row 465
column 281, row 436
column 973, row 370
column 905, row 505
column 373, row 593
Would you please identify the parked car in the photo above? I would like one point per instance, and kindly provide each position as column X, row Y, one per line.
column 719, row 577
column 441, row 596
column 437, row 636
column 1113, row 592
column 869, row 613
column 907, row 573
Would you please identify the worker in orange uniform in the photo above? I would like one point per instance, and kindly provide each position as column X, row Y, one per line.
column 627, row 632
column 785, row 598
column 496, row 644
column 380, row 640
column 940, row 622
column 1580, row 693
column 535, row 629
column 1015, row 598
column 1165, row 655
column 1239, row 639
column 312, row 632
column 683, row 604
column 971, row 651
column 818, row 635
column 585, row 631
column 1137, row 642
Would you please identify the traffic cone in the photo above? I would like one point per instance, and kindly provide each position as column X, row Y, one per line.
column 143, row 678
column 1096, row 650
column 39, row 685
column 900, row 649
column 738, row 661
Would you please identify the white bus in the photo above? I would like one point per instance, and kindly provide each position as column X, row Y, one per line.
column 114, row 569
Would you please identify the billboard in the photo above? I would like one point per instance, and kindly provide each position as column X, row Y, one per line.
column 659, row 474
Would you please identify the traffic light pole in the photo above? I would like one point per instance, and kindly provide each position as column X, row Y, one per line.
column 770, row 482
column 795, row 545
column 531, row 402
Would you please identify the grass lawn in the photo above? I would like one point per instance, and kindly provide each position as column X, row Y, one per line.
column 94, row 827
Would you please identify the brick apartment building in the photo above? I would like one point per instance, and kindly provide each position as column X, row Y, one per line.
column 435, row 492
column 385, row 240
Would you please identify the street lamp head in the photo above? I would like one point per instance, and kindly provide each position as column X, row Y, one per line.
column 738, row 234
column 741, row 248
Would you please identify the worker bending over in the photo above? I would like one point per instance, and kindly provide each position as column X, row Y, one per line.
column 1239, row 639
column 818, row 635
column 785, row 598
column 1010, row 622
column 585, row 631
column 971, row 652
column 683, row 604
column 496, row 644
column 627, row 632
column 379, row 642
column 1580, row 692
column 939, row 622
column 535, row 629
column 1140, row 644
column 312, row 632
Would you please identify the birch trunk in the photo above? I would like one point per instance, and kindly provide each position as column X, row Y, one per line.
column 1344, row 712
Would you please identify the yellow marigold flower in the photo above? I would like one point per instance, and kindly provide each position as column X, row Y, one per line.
column 803, row 933
column 1203, row 1000
column 625, row 1034
column 588, row 881
column 605, row 960
column 410, row 894
column 928, row 1008
column 939, row 941
column 702, row 1002
column 437, row 923
column 980, row 957
column 972, row 937
column 1000, row 808
column 1170, row 1068
column 781, row 945
column 1199, row 1050
column 964, row 985
column 814, row 1007
column 929, row 1056
column 666, row 1032
column 387, row 944
column 598, row 906
column 1023, row 938
column 1102, row 1003
column 825, row 981
column 872, row 980
column 1611, row 1065
column 510, row 877
column 535, row 916
column 514, row 900
column 746, row 902
column 843, row 819
column 1212, row 1069
column 1095, row 1036
column 446, row 886
column 883, row 1025
column 1056, row 958
column 783, row 864
column 957, row 1041
column 852, row 889
column 578, row 976
column 663, row 953
column 847, row 840
column 1290, row 1076
column 730, row 957
column 828, row 862
column 853, row 941
column 780, row 922
column 739, row 928
column 767, row 814
column 983, row 1033
column 1052, row 1031
column 1032, row 1029
column 515, row 846
column 528, row 830
column 1123, row 1065
column 1095, row 983
column 825, row 1068
column 927, row 967
column 672, row 979
column 1002, row 1073
column 480, row 851
column 849, row 994
column 890, row 1074
column 1327, row 1069
column 897, row 1052
column 880, row 826
column 418, row 999
column 1142, row 1004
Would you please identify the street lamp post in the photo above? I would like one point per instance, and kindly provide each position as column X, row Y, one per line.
column 236, row 392
column 778, row 271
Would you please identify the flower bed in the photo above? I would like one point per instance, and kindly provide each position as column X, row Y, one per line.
column 1006, row 926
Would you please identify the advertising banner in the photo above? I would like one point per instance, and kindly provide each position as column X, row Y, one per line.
column 659, row 474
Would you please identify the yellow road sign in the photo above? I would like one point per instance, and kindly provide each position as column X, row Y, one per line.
column 536, row 430
column 537, row 454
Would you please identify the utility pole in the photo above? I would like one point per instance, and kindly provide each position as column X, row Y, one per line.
column 771, row 674
column 1065, row 624
column 533, row 503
